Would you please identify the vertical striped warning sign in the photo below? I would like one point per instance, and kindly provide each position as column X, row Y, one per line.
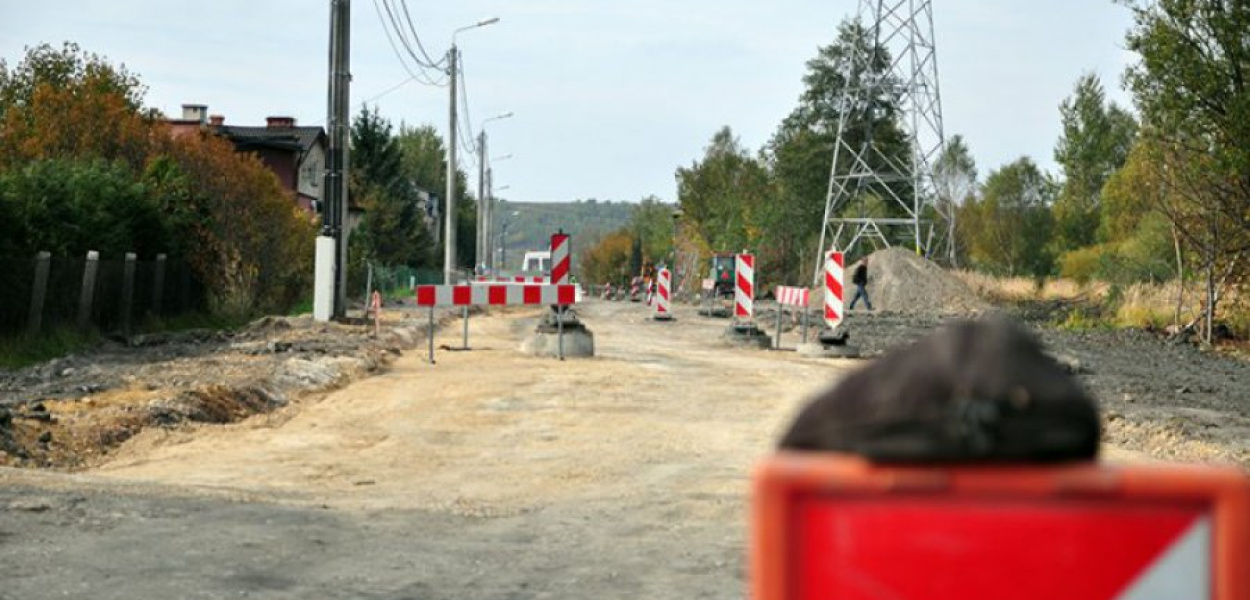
column 744, row 290
column 559, row 258
column 834, row 262
column 662, row 294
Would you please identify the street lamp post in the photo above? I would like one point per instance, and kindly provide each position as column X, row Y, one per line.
column 503, row 238
column 483, row 192
column 490, row 207
column 449, row 242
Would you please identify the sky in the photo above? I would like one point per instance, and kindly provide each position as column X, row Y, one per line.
column 609, row 97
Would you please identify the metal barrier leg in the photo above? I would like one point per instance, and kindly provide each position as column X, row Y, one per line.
column 560, row 333
column 431, row 330
column 777, row 343
column 465, row 315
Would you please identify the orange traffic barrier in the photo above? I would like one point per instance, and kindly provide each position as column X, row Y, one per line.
column 834, row 526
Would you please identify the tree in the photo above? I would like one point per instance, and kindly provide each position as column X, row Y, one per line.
column 393, row 231
column 608, row 261
column 1095, row 142
column 1007, row 229
column 800, row 153
column 652, row 224
column 1190, row 87
column 67, row 103
column 718, row 195
column 68, row 207
column 425, row 165
column 954, row 179
column 248, row 242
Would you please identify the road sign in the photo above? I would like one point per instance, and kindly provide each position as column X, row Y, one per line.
column 836, row 527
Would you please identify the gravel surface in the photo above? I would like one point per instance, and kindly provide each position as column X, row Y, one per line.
column 495, row 475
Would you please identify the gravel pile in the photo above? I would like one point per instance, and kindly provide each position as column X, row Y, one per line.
column 901, row 281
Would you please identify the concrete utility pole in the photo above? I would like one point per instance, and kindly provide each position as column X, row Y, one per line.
column 330, row 279
column 449, row 234
column 481, row 199
column 449, row 245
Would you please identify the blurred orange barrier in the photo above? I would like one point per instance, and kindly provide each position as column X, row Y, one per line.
column 837, row 527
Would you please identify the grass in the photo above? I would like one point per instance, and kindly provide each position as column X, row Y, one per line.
column 26, row 350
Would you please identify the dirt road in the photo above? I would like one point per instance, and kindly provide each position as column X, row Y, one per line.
column 487, row 475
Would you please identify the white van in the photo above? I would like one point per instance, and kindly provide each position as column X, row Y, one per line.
column 537, row 262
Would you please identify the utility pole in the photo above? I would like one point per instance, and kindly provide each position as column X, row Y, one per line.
column 330, row 279
column 490, row 221
column 449, row 235
column 482, row 242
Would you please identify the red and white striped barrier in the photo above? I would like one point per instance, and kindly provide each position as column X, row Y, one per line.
column 560, row 258
column 664, row 280
column 495, row 295
column 834, row 262
column 792, row 296
column 536, row 279
column 744, row 289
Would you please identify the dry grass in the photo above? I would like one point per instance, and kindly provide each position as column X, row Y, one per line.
column 1019, row 289
column 1143, row 305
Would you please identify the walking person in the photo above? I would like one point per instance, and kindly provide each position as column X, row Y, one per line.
column 860, row 278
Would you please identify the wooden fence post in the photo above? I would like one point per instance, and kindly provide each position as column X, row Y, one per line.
column 158, row 285
column 88, row 289
column 38, row 293
column 128, row 292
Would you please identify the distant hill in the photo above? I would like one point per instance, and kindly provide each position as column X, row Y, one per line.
column 531, row 228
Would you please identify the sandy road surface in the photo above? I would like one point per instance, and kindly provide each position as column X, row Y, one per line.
column 487, row 475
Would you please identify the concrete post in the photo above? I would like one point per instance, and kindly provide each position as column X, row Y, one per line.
column 128, row 292
column 38, row 293
column 87, row 295
column 158, row 284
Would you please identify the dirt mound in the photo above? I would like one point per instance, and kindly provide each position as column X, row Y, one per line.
column 901, row 281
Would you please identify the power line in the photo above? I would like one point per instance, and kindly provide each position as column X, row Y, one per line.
column 417, row 39
column 422, row 66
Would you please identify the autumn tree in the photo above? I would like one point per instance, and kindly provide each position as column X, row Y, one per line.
column 954, row 180
column 1190, row 86
column 67, row 103
column 249, row 244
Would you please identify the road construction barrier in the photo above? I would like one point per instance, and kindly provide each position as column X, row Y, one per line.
column 533, row 279
column 836, row 526
column 663, row 295
column 834, row 262
column 744, row 288
column 789, row 296
column 507, row 294
column 560, row 258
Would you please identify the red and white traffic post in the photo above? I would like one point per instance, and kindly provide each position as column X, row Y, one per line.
column 834, row 266
column 663, row 295
column 744, row 288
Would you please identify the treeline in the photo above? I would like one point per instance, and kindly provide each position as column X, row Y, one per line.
column 1162, row 192
column 389, row 169
column 83, row 166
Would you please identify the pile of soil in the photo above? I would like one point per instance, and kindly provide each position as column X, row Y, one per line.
column 901, row 281
column 72, row 411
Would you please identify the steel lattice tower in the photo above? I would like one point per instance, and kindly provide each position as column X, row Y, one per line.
column 860, row 169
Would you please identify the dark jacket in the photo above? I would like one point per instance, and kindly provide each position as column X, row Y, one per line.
column 860, row 277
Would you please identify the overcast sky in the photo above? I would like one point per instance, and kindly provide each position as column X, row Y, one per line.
column 610, row 97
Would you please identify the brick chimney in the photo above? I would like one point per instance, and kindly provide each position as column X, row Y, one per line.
column 280, row 122
column 216, row 120
column 195, row 112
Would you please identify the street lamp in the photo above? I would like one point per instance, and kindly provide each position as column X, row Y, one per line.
column 449, row 243
column 503, row 237
column 484, row 207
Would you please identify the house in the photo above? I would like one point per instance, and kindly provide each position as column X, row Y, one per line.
column 295, row 154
